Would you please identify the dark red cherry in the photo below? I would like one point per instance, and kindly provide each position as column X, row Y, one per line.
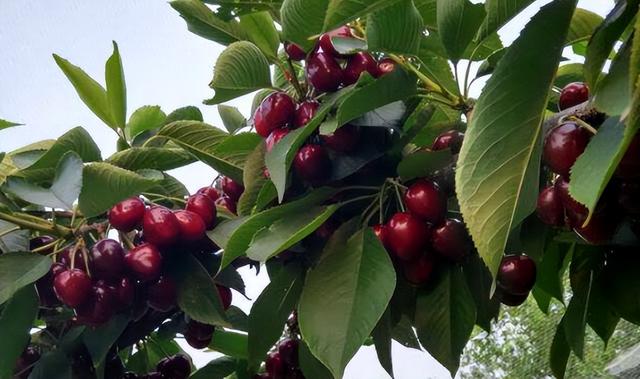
column 175, row 367
column 79, row 261
column 601, row 227
column 127, row 215
column 160, row 226
column 210, row 192
column 629, row 197
column 418, row 272
column 326, row 44
column 517, row 274
column 203, row 207
column 344, row 139
column 107, row 256
column 125, row 292
column 288, row 351
column 57, row 268
column 356, row 65
column 573, row 94
column 197, row 343
column 40, row 241
column 449, row 140
column 275, row 137
column 72, row 287
column 162, row 295
column 312, row 164
column 225, row 296
column 323, row 72
column 99, row 307
column 451, row 240
column 425, row 200
column 231, row 188
column 513, row 300
column 198, row 335
column 228, row 204
column 274, row 365
column 44, row 286
column 305, row 112
column 629, row 166
column 144, row 261
column 294, row 51
column 576, row 213
column 549, row 207
column 275, row 111
column 385, row 66
column 407, row 235
column 191, row 225
column 382, row 232
column 563, row 145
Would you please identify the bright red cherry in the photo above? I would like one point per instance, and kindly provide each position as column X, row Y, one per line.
column 305, row 112
column 231, row 188
column 144, row 261
column 418, row 272
column 326, row 44
column 210, row 192
column 425, row 200
column 288, row 350
column 203, row 207
column 107, row 256
column 175, row 367
column 275, row 137
column 191, row 225
column 312, row 164
column 629, row 166
column 513, row 300
column 225, row 296
column 162, row 295
column 294, row 51
column 100, row 306
column 576, row 213
column 72, row 287
column 385, row 66
column 160, row 226
column 382, row 232
column 274, row 365
column 356, row 65
column 407, row 235
column 127, row 215
column 275, row 111
column 344, row 139
column 449, row 140
column 517, row 274
column 549, row 207
column 573, row 94
column 228, row 204
column 563, row 145
column 451, row 240
column 324, row 73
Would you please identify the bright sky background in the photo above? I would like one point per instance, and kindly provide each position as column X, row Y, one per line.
column 164, row 65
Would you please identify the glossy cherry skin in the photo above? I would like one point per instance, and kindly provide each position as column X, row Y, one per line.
column 294, row 51
column 275, row 111
column 275, row 137
column 198, row 335
column 513, row 300
column 629, row 166
column 451, row 240
column 326, row 44
column 72, row 287
column 210, row 192
column 107, row 256
column 203, row 207
column 312, row 164
column 549, row 207
column 407, row 235
column 385, row 66
column 425, row 200
column 127, row 215
column 563, row 145
column 125, row 292
column 356, row 65
column 576, row 213
column 418, row 272
column 323, row 72
column 305, row 112
column 288, row 351
column 40, row 241
column 344, row 139
column 517, row 274
column 573, row 94
column 382, row 232
column 100, row 306
column 192, row 227
column 162, row 295
column 225, row 296
column 175, row 367
column 144, row 261
column 231, row 188
column 451, row 139
column 274, row 365
column 160, row 226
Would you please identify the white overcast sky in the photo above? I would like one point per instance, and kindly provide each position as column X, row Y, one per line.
column 164, row 65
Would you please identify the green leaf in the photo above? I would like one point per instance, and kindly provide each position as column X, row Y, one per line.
column 614, row 92
column 116, row 88
column 13, row 239
column 634, row 70
column 169, row 187
column 185, row 113
column 16, row 320
column 437, row 68
column 582, row 26
column 231, row 118
column 602, row 317
column 499, row 12
column 158, row 158
column 443, row 118
column 4, row 124
column 64, row 190
column 422, row 163
column 262, row 32
column 479, row 282
column 551, row 269
column 99, row 340
column 224, row 153
column 560, row 350
column 395, row 29
column 149, row 354
column 104, row 185
column 238, row 319
column 145, row 118
column 52, row 365
column 489, row 64
column 445, row 317
column 91, row 92
column 458, row 22
column 498, row 153
column 404, row 334
column 349, row 289
column 253, row 179
column 311, row 367
column 271, row 310
column 218, row 368
column 230, row 343
column 382, row 339
column 18, row 270
column 202, row 21
column 428, row 11
column 569, row 73
column 223, row 231
column 241, row 69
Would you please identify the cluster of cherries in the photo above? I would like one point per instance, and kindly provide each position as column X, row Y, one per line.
column 174, row 367
column 282, row 362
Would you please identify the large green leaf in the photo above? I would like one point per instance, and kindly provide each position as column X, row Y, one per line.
column 428, row 10
column 13, row 239
column 498, row 153
column 99, row 341
column 311, row 367
column 445, row 317
column 218, row 368
column 4, row 124
column 348, row 289
column 262, row 32
column 202, row 21
column 52, row 365
column 582, row 26
column 479, row 283
column 560, row 350
column 241, row 69
column 229, row 342
column 158, row 158
column 116, row 88
column 614, row 92
column 16, row 320
column 499, row 12
column 145, row 118
column 458, row 22
column 438, row 69
column 18, row 270
column 395, row 29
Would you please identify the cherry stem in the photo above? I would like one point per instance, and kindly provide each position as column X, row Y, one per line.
column 581, row 123
column 46, row 247
column 159, row 196
column 359, row 198
column 396, row 187
column 467, row 85
column 162, row 350
column 429, row 84
column 21, row 220
column 127, row 241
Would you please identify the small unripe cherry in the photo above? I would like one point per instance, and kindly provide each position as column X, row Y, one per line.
column 573, row 94
column 127, row 214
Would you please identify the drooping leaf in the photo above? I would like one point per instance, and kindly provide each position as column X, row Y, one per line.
column 185, row 113
column 479, row 283
column 18, row 270
column 231, row 118
column 404, row 334
column 559, row 353
column 583, row 24
column 99, row 340
column 395, row 29
column 116, row 87
column 52, row 365
column 202, row 21
column 382, row 338
column 4, row 124
column 458, row 22
column 229, row 342
column 16, row 320
column 218, row 368
column 262, row 32
column 145, row 118
column 499, row 12
column 158, row 158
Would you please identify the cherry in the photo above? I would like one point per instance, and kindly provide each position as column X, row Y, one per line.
column 305, row 112
column 160, row 226
column 382, row 232
column 385, row 66
column 629, row 197
column 563, row 145
column 275, row 137
column 225, row 296
column 26, row 361
column 323, row 72
column 513, row 300
column 576, row 212
column 274, row 365
column 601, row 227
column 175, row 367
column 191, row 226
column 418, row 272
column 72, row 287
column 629, row 166
column 573, row 94
column 344, row 139
column 125, row 292
column 451, row 240
column 356, row 65
column 162, row 295
column 210, row 192
column 549, row 207
column 517, row 274
column 203, row 207
column 294, row 51
column 425, row 200
column 99, row 307
column 275, row 111
column 312, row 164
column 127, row 214
column 198, row 335
column 326, row 44
column 407, row 235
column 231, row 188
column 144, row 261
column 451, row 139
column 41, row 241
column 228, row 204
column 288, row 351
column 79, row 261
column 107, row 256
